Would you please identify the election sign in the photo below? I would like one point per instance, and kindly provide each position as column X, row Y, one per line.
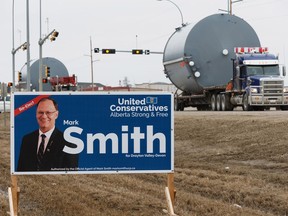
column 82, row 133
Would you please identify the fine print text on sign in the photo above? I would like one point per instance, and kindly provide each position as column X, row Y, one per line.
column 92, row 133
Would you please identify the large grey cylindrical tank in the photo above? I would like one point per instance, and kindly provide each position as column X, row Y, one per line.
column 57, row 68
column 198, row 57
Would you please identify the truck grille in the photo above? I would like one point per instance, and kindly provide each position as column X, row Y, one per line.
column 272, row 87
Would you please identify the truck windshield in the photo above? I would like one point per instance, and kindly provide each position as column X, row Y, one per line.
column 263, row 70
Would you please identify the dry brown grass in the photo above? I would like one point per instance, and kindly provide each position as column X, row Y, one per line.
column 228, row 163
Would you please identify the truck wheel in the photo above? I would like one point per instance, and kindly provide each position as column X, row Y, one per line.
column 246, row 105
column 225, row 103
column 176, row 105
column 181, row 106
column 213, row 102
column 218, row 102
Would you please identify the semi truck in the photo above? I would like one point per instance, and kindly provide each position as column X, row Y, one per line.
column 219, row 64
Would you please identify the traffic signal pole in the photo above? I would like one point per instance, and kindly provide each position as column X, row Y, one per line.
column 133, row 51
column 41, row 42
column 23, row 47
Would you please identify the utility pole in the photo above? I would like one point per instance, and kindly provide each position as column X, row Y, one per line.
column 229, row 6
column 92, row 62
column 91, row 58
column 230, row 3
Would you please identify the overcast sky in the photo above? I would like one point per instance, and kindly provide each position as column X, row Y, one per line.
column 124, row 25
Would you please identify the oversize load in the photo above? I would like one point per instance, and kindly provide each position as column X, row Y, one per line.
column 110, row 133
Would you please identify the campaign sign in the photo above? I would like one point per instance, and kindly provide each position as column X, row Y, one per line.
column 82, row 133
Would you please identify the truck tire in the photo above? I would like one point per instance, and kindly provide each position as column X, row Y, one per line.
column 176, row 105
column 213, row 102
column 181, row 106
column 218, row 102
column 246, row 105
column 225, row 103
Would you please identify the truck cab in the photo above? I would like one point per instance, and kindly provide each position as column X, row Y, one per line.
column 259, row 80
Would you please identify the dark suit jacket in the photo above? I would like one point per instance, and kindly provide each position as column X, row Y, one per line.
column 54, row 158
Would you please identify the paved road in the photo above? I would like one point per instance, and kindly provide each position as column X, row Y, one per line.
column 275, row 114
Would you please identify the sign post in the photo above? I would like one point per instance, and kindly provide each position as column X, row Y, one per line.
column 13, row 193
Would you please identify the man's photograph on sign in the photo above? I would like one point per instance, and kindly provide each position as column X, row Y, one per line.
column 60, row 133
column 42, row 149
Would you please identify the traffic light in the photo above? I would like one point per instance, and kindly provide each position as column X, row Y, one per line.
column 10, row 84
column 47, row 71
column 96, row 50
column 54, row 36
column 108, row 51
column 44, row 80
column 147, row 52
column 137, row 51
column 19, row 76
column 24, row 46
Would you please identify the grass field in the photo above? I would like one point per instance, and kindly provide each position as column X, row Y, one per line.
column 226, row 163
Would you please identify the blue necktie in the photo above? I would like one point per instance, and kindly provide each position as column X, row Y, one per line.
column 40, row 152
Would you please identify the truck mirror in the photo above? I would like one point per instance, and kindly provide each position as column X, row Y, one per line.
column 284, row 71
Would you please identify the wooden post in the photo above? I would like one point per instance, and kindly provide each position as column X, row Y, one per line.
column 15, row 193
column 170, row 193
column 11, row 213
column 171, row 187
column 169, row 202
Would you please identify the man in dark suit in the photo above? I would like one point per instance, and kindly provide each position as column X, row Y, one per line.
column 42, row 150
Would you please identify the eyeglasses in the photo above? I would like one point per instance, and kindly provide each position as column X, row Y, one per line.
column 46, row 113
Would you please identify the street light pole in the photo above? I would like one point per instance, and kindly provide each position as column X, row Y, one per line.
column 54, row 34
column 23, row 47
column 182, row 21
column 28, row 46
column 40, row 49
column 13, row 53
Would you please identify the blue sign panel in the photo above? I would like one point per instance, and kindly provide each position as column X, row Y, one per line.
column 80, row 133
